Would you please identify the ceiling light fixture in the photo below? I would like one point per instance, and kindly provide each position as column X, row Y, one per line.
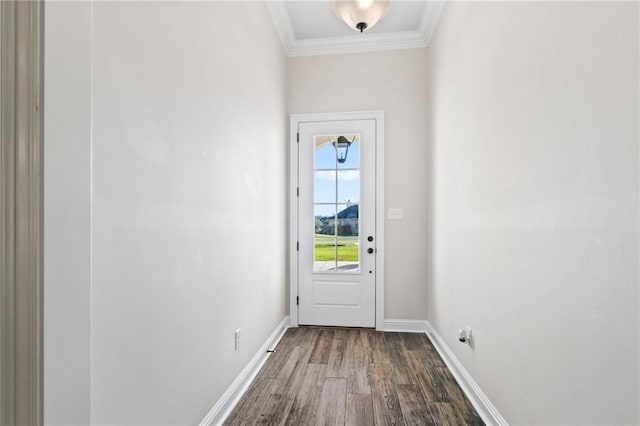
column 361, row 14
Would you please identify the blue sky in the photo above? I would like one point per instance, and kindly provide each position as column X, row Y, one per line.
column 348, row 189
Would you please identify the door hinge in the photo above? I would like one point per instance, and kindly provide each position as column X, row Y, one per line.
column 297, row 300
column 298, row 191
column 298, row 137
column 297, row 245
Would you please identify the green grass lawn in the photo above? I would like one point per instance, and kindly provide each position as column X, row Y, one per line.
column 325, row 248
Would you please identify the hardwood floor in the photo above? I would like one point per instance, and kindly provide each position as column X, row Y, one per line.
column 336, row 376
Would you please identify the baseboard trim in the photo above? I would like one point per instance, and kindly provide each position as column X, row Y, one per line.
column 405, row 326
column 479, row 400
column 230, row 398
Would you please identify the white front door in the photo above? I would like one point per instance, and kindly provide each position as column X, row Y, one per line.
column 337, row 223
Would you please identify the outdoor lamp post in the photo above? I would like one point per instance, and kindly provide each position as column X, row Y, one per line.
column 342, row 145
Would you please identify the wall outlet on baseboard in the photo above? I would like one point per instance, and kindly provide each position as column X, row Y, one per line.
column 237, row 339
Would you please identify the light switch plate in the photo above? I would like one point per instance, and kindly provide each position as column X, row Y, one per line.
column 396, row 214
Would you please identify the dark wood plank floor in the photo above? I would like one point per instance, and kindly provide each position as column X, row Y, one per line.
column 336, row 376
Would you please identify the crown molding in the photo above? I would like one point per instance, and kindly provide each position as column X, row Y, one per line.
column 430, row 19
column 282, row 22
column 356, row 43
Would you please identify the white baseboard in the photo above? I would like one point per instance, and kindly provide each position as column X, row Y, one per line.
column 479, row 400
column 405, row 326
column 230, row 398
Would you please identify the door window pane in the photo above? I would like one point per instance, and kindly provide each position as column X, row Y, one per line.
column 324, row 253
column 325, row 186
column 325, row 218
column 348, row 186
column 353, row 155
column 324, row 247
column 348, row 221
column 325, row 153
column 348, row 254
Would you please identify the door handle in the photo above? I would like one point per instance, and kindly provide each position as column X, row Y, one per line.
column 369, row 250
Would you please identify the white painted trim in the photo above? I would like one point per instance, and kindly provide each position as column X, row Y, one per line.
column 380, row 219
column 293, row 221
column 354, row 43
column 282, row 23
column 430, row 19
column 295, row 120
column 234, row 393
column 405, row 326
column 485, row 408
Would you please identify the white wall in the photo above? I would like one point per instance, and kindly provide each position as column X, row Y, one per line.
column 392, row 81
column 189, row 214
column 533, row 128
column 67, row 212
column 187, row 166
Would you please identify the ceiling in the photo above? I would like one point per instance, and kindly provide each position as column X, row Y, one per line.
column 311, row 28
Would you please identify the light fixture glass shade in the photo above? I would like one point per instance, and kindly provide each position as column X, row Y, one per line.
column 361, row 14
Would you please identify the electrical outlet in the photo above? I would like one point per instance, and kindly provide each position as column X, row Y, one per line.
column 237, row 339
column 464, row 335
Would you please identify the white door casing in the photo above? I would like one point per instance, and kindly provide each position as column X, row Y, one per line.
column 340, row 289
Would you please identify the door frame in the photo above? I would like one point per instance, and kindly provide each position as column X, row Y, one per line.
column 21, row 216
column 294, row 278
